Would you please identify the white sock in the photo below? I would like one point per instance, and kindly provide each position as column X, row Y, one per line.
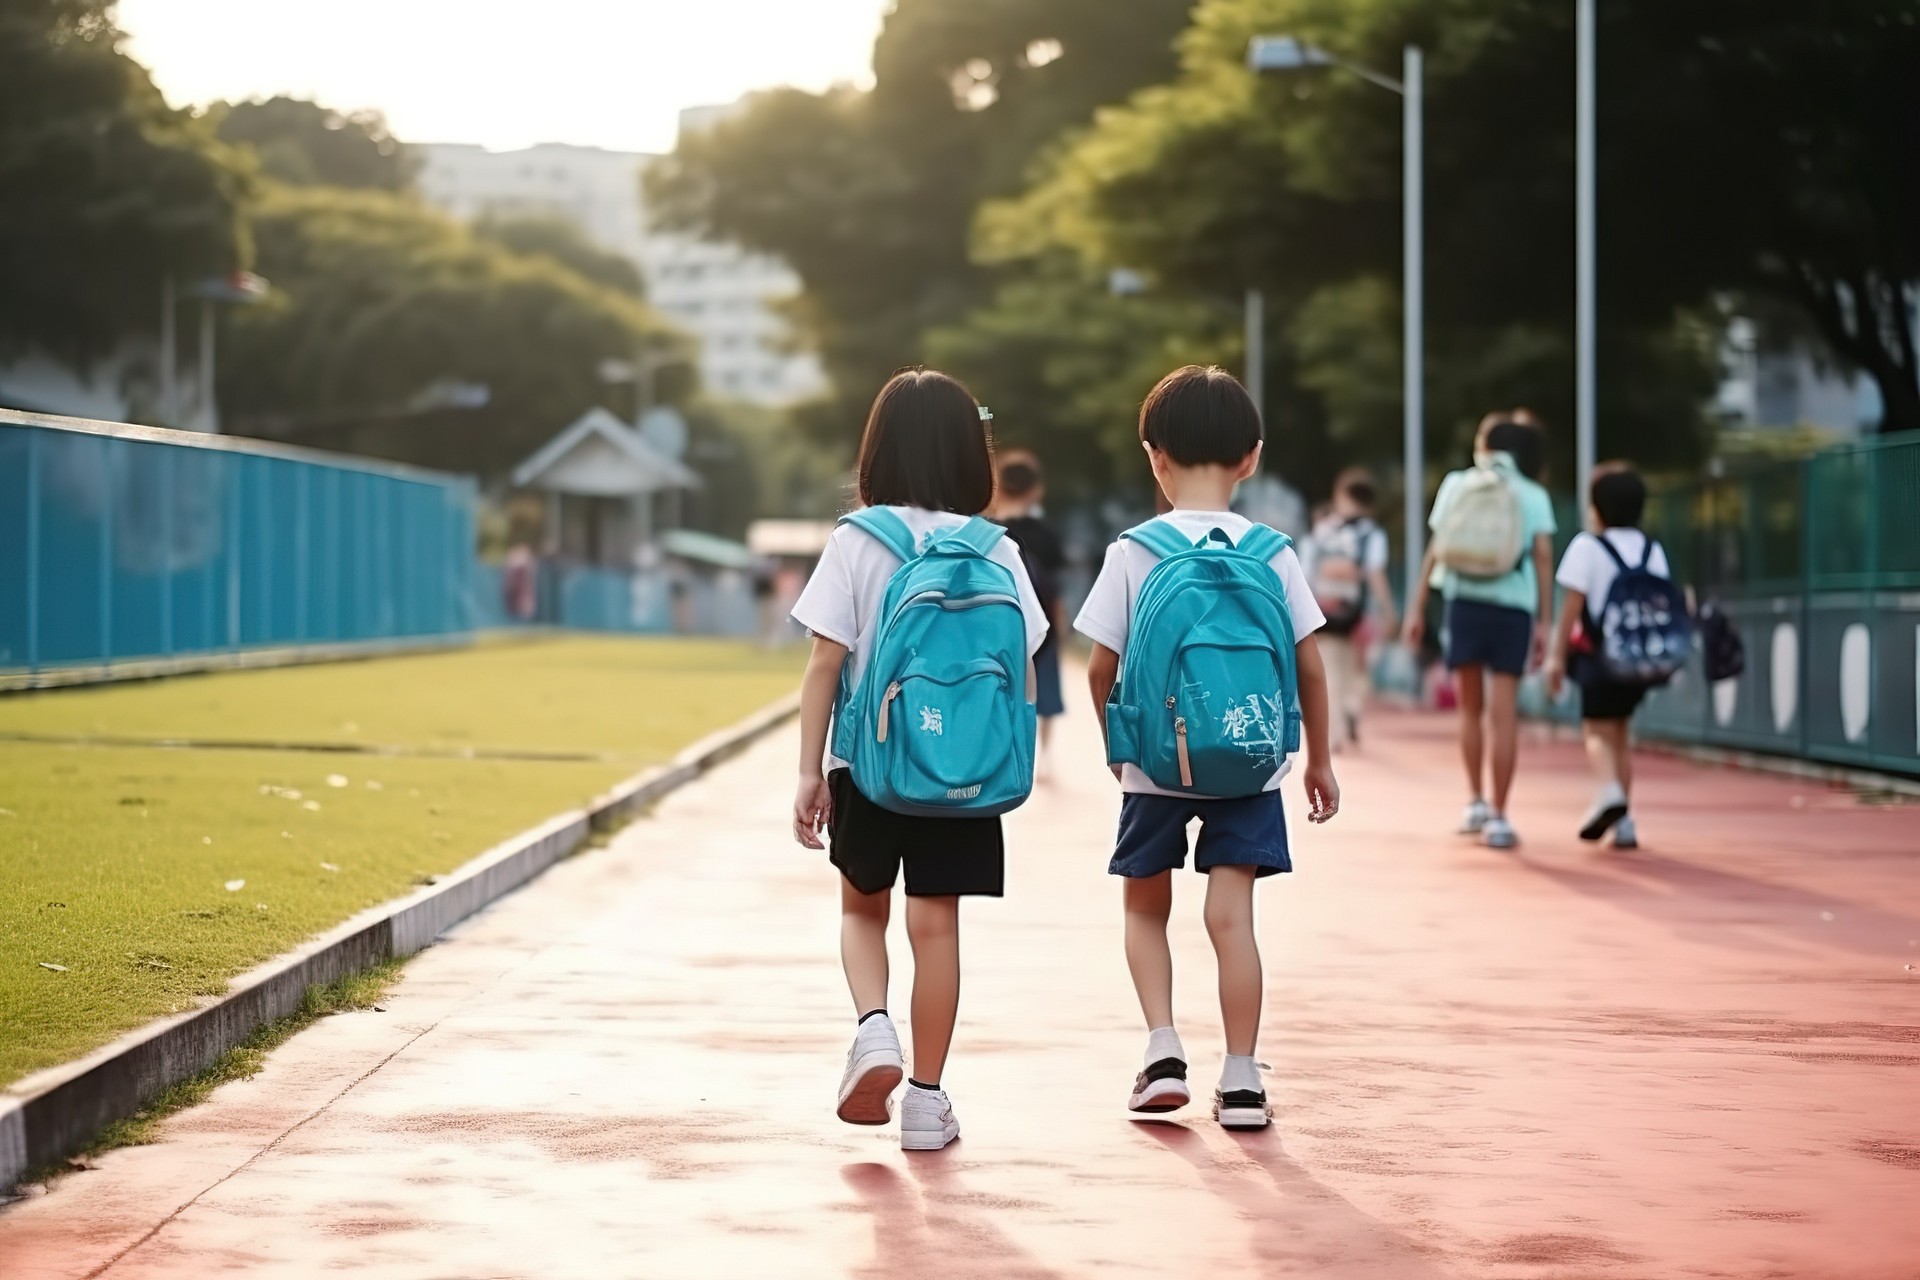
column 1163, row 1042
column 1240, row 1073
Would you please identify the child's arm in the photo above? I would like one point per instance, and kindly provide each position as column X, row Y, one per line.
column 1543, row 575
column 1382, row 593
column 1323, row 791
column 1572, row 604
column 1414, row 625
column 813, row 802
column 1103, row 669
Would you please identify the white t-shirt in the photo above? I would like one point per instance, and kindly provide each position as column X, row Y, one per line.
column 1587, row 568
column 841, row 601
column 1107, row 616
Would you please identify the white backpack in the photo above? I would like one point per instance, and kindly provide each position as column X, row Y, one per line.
column 1481, row 534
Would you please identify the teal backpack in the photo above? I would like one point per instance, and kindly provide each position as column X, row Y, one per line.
column 1208, row 700
column 939, row 724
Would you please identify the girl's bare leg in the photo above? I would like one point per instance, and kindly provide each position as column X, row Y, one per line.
column 863, row 945
column 933, row 927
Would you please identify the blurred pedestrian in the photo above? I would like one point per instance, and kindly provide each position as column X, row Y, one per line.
column 1346, row 563
column 1622, row 630
column 1491, row 556
column 1017, row 500
column 926, row 468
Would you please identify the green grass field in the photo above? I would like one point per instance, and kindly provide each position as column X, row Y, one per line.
column 151, row 875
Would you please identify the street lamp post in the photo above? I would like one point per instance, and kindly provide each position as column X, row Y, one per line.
column 1287, row 54
column 1586, row 409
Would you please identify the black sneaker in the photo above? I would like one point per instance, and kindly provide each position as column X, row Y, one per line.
column 1160, row 1088
column 1242, row 1108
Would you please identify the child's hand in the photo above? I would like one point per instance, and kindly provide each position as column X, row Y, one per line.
column 1323, row 791
column 1413, row 630
column 1555, row 675
column 812, row 810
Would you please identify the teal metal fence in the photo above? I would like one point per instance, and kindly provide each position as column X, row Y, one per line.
column 1817, row 563
column 131, row 544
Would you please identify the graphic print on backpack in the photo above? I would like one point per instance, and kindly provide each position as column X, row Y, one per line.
column 1207, row 700
column 1645, row 632
column 938, row 723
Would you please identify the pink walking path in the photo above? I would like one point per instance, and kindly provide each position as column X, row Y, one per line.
column 1700, row 1059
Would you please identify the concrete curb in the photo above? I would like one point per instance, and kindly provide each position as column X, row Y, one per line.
column 53, row 1113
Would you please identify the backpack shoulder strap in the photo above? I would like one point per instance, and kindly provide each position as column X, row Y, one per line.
column 1646, row 552
column 1606, row 544
column 1262, row 543
column 1159, row 537
column 886, row 528
column 978, row 535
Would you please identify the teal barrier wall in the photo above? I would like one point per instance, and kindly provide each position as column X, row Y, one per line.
column 129, row 544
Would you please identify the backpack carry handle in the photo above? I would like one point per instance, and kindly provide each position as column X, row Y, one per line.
column 1163, row 540
column 978, row 535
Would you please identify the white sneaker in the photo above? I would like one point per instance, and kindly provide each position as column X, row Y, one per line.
column 1499, row 833
column 1624, row 835
column 1608, row 808
column 1475, row 819
column 874, row 1070
column 926, row 1119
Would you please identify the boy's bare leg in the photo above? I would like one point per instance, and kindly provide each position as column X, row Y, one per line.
column 1230, row 924
column 933, row 927
column 1149, row 902
column 1470, row 683
column 863, row 945
column 1503, row 710
column 1609, row 751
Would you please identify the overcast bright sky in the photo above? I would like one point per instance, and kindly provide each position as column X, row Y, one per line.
column 610, row 73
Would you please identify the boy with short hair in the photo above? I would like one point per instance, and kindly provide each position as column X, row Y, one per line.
column 1202, row 436
column 1593, row 561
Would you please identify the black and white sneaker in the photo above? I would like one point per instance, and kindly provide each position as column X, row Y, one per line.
column 1241, row 1108
column 1162, row 1087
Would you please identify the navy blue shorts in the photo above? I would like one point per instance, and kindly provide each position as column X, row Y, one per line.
column 1494, row 636
column 1249, row 832
column 1046, row 680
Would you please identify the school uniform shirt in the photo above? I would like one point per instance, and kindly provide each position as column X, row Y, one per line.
column 1520, row 587
column 841, row 601
column 1107, row 616
column 1587, row 568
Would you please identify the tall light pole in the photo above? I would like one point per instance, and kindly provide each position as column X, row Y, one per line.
column 1256, row 344
column 1585, row 326
column 1285, row 54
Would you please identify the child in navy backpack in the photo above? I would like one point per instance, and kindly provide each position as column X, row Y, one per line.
column 1202, row 436
column 927, row 458
column 1588, row 570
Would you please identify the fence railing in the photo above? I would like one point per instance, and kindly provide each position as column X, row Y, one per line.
column 1817, row 563
column 124, row 544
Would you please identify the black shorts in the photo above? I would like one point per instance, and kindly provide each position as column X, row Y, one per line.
column 1601, row 698
column 1488, row 635
column 943, row 856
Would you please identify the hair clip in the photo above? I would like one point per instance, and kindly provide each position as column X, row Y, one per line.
column 986, row 414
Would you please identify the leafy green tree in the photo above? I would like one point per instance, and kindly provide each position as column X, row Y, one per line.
column 105, row 191
column 562, row 241
column 302, row 142
column 377, row 299
column 870, row 196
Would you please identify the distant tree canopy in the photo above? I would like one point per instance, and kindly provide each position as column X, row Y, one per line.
column 376, row 298
column 562, row 241
column 104, row 190
column 305, row 143
column 870, row 196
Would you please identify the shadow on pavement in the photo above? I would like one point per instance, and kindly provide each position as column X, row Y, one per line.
column 942, row 1230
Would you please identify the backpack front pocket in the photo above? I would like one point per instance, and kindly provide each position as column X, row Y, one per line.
column 1231, row 723
column 946, row 733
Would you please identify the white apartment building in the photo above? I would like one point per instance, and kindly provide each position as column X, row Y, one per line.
column 724, row 296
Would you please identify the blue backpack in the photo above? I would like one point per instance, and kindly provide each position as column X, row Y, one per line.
column 939, row 724
column 1643, row 634
column 1208, row 698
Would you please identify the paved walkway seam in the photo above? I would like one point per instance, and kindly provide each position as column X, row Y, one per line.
column 53, row 1113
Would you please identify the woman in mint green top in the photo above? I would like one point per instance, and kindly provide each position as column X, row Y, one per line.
column 1496, row 628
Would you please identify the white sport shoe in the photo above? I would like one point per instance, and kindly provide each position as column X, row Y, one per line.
column 1499, row 833
column 1159, row 1088
column 1608, row 808
column 1475, row 819
column 874, row 1070
column 926, row 1119
column 1624, row 835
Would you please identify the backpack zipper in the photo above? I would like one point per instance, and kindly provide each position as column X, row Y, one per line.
column 1180, row 745
column 893, row 691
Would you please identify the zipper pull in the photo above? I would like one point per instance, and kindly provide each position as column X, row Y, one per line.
column 1180, row 745
column 893, row 691
column 1169, row 702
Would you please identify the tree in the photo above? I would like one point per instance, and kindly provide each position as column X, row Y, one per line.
column 562, row 241
column 870, row 196
column 105, row 191
column 378, row 298
column 302, row 142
